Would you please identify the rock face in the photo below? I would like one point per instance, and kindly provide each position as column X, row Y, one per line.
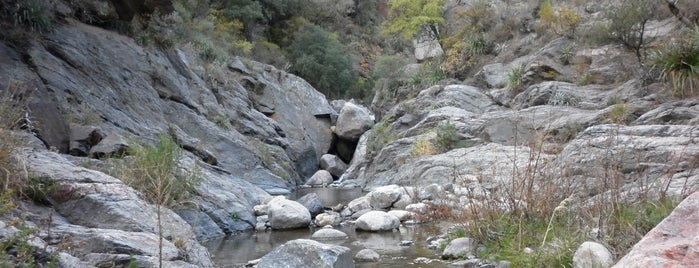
column 307, row 253
column 673, row 243
column 377, row 221
column 592, row 254
column 287, row 214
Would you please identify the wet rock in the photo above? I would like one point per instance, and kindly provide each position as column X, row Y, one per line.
column 333, row 164
column 459, row 248
column 320, row 178
column 307, row 253
column 287, row 214
column 367, row 255
column 312, row 202
column 329, row 234
column 672, row 243
column 377, row 221
column 353, row 121
column 592, row 254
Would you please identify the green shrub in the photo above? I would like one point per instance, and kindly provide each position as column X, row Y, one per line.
column 514, row 79
column 447, row 137
column 34, row 15
column 317, row 56
column 678, row 63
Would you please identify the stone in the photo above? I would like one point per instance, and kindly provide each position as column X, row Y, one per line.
column 325, row 219
column 260, row 209
column 111, row 145
column 307, row 253
column 377, row 221
column 402, row 215
column 472, row 263
column 459, row 248
column 82, row 138
column 427, row 48
column 333, row 164
column 320, row 178
column 287, row 214
column 367, row 255
column 672, row 243
column 385, row 196
column 417, row 208
column 312, row 202
column 358, row 204
column 430, row 192
column 592, row 254
column 353, row 121
column 328, row 234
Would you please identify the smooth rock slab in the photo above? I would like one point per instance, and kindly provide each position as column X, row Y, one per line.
column 329, row 234
column 307, row 253
column 377, row 221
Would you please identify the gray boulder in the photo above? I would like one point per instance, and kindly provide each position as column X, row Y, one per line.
column 592, row 254
column 320, row 178
column 353, row 121
column 82, row 138
column 359, row 204
column 367, row 255
column 111, row 145
column 325, row 219
column 307, row 253
column 402, row 215
column 333, row 164
column 427, row 47
column 377, row 221
column 459, row 248
column 385, row 196
column 287, row 214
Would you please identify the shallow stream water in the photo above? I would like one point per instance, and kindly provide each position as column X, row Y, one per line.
column 236, row 250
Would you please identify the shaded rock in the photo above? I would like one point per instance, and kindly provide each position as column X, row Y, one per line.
column 592, row 254
column 320, row 178
column 287, row 214
column 459, row 248
column 672, row 243
column 325, row 219
column 82, row 138
column 333, row 164
column 307, row 253
column 206, row 228
column 312, row 202
column 329, row 234
column 111, row 145
column 367, row 255
column 377, row 221
column 353, row 121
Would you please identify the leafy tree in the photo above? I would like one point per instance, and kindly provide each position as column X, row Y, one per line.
column 409, row 17
column 627, row 23
column 252, row 12
column 317, row 56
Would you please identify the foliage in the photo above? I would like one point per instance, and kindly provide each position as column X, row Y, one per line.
column 562, row 22
column 409, row 17
column 317, row 56
column 423, row 147
column 34, row 15
column 627, row 21
column 472, row 39
column 12, row 119
column 678, row 63
column 253, row 12
column 447, row 137
column 514, row 78
column 619, row 114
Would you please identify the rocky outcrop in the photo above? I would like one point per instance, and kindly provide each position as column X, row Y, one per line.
column 673, row 243
column 307, row 253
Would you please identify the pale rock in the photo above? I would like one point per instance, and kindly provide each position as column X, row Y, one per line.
column 377, row 221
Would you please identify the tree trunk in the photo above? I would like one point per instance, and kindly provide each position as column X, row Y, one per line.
column 679, row 14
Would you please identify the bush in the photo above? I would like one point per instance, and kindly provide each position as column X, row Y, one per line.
column 423, row 147
column 317, row 56
column 514, row 79
column 627, row 21
column 447, row 137
column 678, row 63
column 563, row 22
column 34, row 15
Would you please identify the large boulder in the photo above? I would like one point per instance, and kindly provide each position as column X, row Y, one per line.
column 385, row 196
column 333, row 164
column 427, row 47
column 353, row 121
column 672, row 243
column 320, row 178
column 377, row 221
column 307, row 253
column 592, row 254
column 287, row 214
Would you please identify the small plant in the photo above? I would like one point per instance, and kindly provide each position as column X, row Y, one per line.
column 32, row 14
column 423, row 147
column 678, row 63
column 447, row 137
column 514, row 78
column 381, row 135
column 563, row 22
column 619, row 114
column 584, row 79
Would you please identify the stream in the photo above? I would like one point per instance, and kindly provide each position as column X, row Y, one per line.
column 236, row 250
